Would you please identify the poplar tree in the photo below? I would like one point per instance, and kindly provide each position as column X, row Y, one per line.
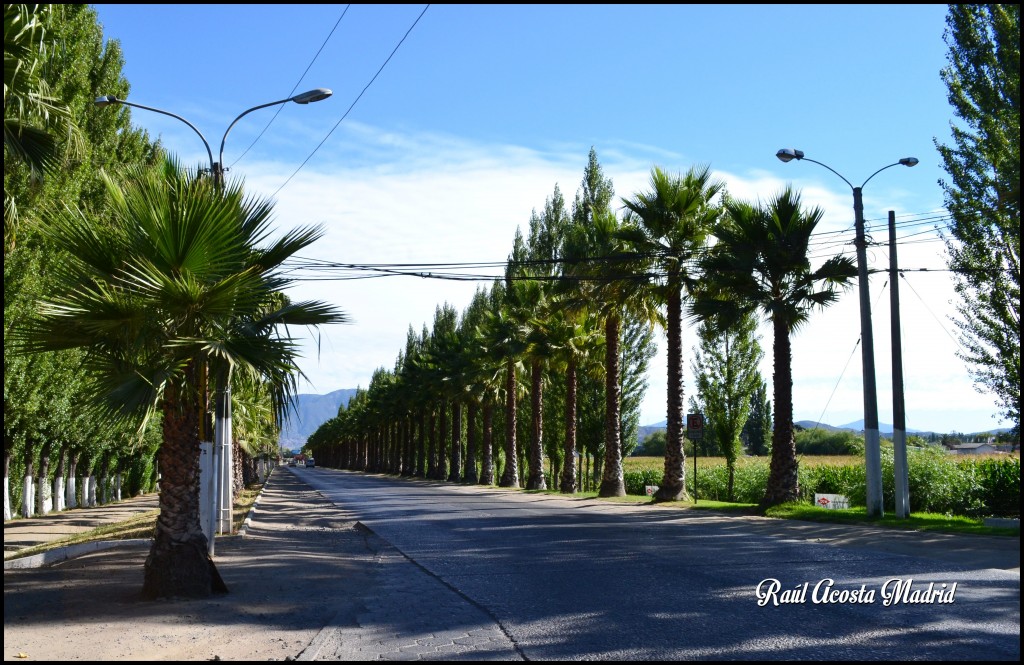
column 983, row 193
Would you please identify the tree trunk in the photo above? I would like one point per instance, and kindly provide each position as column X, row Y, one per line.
column 486, row 444
column 7, row 486
column 237, row 473
column 569, row 471
column 72, row 489
column 421, row 447
column 442, row 443
column 510, row 475
column 455, row 475
column 43, row 499
column 782, row 476
column 536, row 480
column 28, row 496
column 673, row 481
column 471, row 476
column 178, row 564
column 612, row 483
column 59, row 500
column 432, row 447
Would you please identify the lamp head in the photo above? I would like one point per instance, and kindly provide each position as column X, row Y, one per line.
column 106, row 100
column 311, row 96
column 789, row 154
column 909, row 161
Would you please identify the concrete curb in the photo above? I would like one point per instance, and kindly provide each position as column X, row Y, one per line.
column 72, row 551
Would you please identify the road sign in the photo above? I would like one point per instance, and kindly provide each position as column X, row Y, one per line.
column 694, row 426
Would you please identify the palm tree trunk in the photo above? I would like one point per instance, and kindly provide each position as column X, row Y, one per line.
column 487, row 443
column 536, row 480
column 442, row 445
column 673, row 487
column 471, row 476
column 782, row 476
column 432, row 447
column 569, row 471
column 178, row 563
column 673, row 482
column 455, row 474
column 421, row 445
column 510, row 476
column 612, row 483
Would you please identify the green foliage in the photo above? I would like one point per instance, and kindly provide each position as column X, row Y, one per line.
column 939, row 483
column 636, row 481
column 983, row 193
column 653, row 444
column 818, row 441
column 757, row 432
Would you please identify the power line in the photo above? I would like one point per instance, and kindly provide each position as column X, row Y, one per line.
column 295, row 87
column 317, row 148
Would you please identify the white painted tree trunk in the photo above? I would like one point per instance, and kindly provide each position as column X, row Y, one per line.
column 91, row 484
column 71, row 491
column 7, row 498
column 28, row 498
column 59, row 503
column 117, row 487
column 44, row 502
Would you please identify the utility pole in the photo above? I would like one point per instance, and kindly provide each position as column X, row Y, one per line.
column 872, row 441
column 899, row 418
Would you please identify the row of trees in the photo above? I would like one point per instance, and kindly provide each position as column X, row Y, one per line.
column 570, row 290
column 135, row 290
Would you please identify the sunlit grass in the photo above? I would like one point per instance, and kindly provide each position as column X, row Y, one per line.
column 916, row 522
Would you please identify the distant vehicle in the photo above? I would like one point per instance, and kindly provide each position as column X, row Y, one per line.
column 310, row 462
column 292, row 462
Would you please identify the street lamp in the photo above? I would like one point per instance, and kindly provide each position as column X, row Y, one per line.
column 872, row 442
column 222, row 425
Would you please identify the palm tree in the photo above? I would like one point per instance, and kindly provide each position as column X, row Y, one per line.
column 178, row 289
column 606, row 268
column 671, row 224
column 761, row 262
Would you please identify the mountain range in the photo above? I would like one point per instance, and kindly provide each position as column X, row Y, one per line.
column 308, row 413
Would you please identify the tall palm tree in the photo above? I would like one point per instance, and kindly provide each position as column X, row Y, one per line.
column 671, row 223
column 605, row 266
column 180, row 287
column 761, row 262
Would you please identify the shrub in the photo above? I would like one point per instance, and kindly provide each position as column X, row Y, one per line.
column 636, row 481
column 818, row 441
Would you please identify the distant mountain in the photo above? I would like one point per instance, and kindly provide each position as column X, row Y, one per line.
column 310, row 412
column 645, row 431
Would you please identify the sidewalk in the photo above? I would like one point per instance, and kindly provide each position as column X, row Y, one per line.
column 21, row 533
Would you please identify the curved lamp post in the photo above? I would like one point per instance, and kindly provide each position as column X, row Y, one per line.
column 222, row 467
column 872, row 442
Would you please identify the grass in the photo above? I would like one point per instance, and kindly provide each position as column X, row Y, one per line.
column 916, row 521
column 142, row 526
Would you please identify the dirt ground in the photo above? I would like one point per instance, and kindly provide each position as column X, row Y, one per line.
column 301, row 566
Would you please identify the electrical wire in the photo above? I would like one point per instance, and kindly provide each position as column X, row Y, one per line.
column 340, row 120
column 295, row 87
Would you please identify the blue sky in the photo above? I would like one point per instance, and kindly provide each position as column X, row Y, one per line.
column 483, row 109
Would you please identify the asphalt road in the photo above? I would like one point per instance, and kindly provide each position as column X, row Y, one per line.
column 571, row 579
